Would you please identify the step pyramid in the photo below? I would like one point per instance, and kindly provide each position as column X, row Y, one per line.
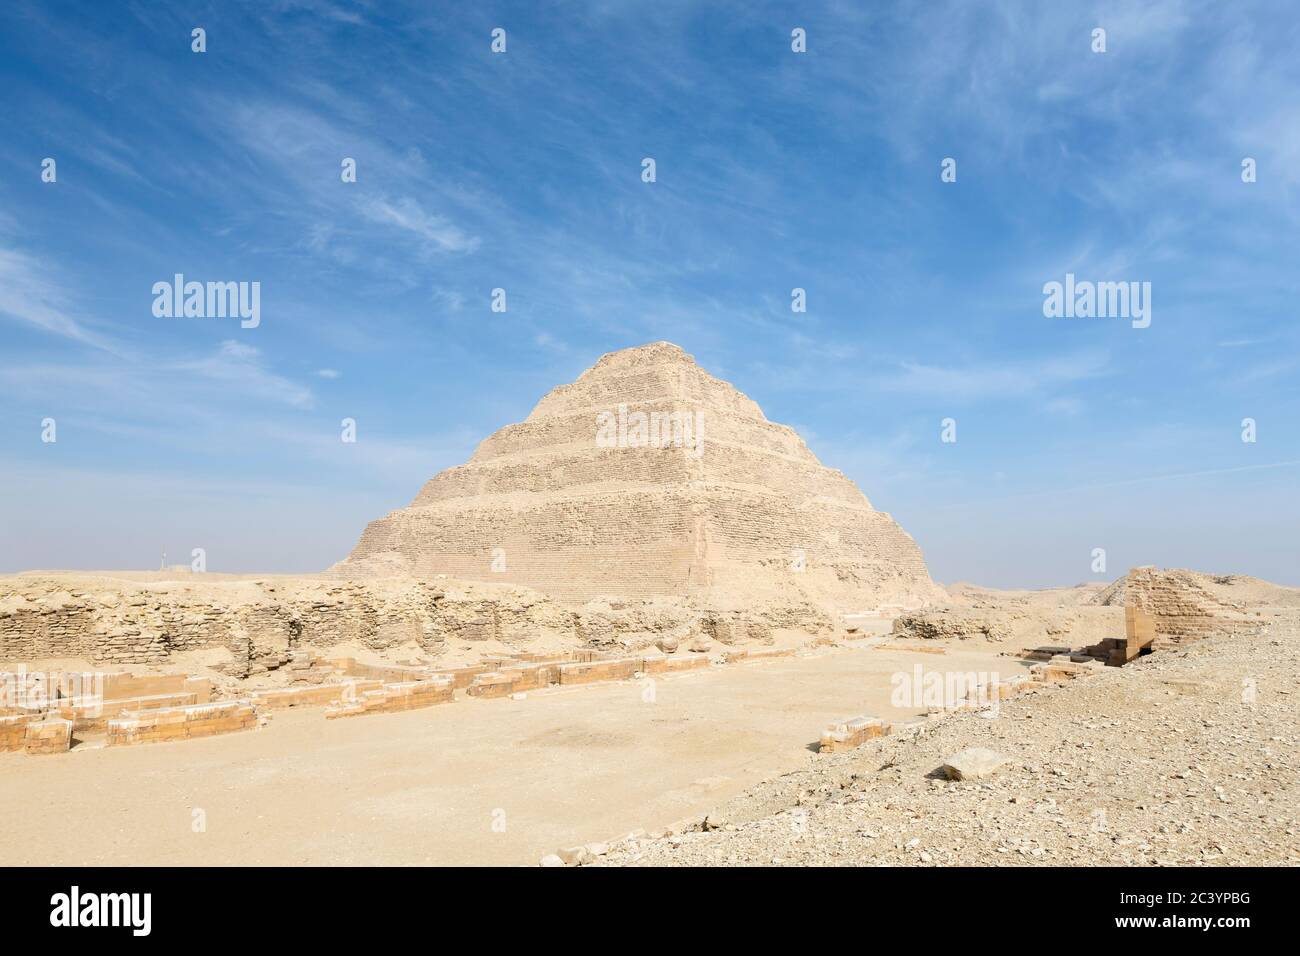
column 647, row 478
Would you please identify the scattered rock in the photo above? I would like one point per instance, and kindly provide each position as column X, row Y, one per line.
column 974, row 763
column 715, row 821
column 574, row 855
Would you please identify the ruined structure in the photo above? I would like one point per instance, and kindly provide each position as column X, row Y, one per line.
column 1181, row 604
column 649, row 477
column 260, row 622
column 258, row 625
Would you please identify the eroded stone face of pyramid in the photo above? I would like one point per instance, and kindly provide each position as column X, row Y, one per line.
column 649, row 477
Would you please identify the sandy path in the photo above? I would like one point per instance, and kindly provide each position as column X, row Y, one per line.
column 435, row 786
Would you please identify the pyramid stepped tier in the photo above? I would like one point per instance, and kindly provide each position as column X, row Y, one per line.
column 648, row 477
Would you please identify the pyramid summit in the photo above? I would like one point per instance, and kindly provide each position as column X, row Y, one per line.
column 648, row 477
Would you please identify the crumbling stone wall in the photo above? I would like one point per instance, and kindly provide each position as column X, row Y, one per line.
column 116, row 622
column 1181, row 604
column 265, row 624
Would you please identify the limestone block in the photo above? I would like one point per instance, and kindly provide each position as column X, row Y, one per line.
column 492, row 685
column 608, row 670
column 974, row 763
column 13, row 732
column 182, row 723
column 49, row 736
column 853, row 732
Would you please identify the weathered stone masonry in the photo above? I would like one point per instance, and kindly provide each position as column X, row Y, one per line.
column 578, row 520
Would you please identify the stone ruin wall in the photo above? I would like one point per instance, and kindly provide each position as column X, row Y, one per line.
column 260, row 625
column 263, row 624
column 1182, row 608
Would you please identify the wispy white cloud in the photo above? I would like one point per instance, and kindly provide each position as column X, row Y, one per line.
column 241, row 368
column 31, row 295
column 406, row 213
column 305, row 150
column 993, row 380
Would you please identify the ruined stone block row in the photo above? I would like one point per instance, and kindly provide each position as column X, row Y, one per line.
column 34, row 733
column 13, row 732
column 847, row 734
column 1062, row 668
column 315, row 695
column 392, row 698
column 466, row 676
column 119, row 685
column 52, row 736
column 674, row 665
column 48, row 690
column 494, row 684
column 462, row 677
column 182, row 723
column 384, row 673
column 759, row 654
column 95, row 713
column 510, row 680
column 617, row 669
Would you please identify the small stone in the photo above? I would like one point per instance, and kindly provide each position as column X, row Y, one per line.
column 551, row 860
column 974, row 763
column 597, row 849
column 574, row 855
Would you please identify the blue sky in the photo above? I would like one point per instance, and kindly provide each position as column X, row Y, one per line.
column 775, row 170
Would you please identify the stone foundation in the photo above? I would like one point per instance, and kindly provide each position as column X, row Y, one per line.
column 317, row 695
column 620, row 669
column 94, row 714
column 182, row 723
column 51, row 736
column 393, row 698
column 13, row 732
column 847, row 734
column 179, row 716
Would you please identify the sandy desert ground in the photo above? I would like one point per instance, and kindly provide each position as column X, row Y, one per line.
column 1166, row 761
column 1189, row 755
column 429, row 786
